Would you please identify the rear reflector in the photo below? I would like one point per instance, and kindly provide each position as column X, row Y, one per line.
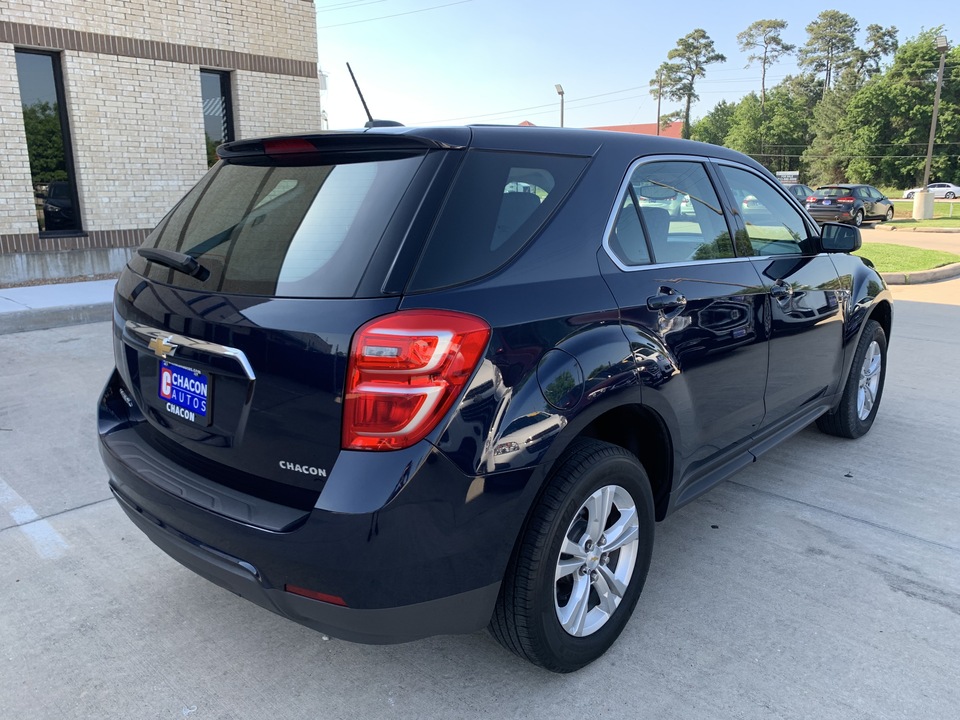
column 405, row 372
column 314, row 595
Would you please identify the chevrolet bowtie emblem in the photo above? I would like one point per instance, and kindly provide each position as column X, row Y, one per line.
column 162, row 347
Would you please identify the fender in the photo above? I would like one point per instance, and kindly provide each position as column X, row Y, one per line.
column 868, row 297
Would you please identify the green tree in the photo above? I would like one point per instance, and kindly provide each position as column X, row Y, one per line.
column 787, row 116
column 746, row 127
column 41, row 121
column 829, row 152
column 677, row 80
column 830, row 45
column 763, row 41
column 888, row 119
column 881, row 42
column 714, row 126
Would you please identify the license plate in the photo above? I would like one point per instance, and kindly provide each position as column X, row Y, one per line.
column 827, row 202
column 185, row 392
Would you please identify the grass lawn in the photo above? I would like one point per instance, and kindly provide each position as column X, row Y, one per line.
column 945, row 214
column 899, row 258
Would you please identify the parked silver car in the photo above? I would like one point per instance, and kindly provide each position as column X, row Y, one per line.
column 939, row 190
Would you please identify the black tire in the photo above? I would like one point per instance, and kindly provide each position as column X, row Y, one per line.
column 950, row 195
column 909, row 196
column 857, row 219
column 889, row 215
column 851, row 419
column 526, row 619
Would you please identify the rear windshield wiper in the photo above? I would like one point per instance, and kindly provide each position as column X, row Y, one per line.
column 176, row 260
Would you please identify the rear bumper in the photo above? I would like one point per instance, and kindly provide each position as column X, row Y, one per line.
column 411, row 545
column 837, row 215
column 461, row 613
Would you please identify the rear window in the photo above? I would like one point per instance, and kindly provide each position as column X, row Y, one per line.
column 292, row 231
column 833, row 192
column 497, row 203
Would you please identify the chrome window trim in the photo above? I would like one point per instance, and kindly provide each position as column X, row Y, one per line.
column 618, row 203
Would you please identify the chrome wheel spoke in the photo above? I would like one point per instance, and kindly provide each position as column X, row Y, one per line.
column 573, row 615
column 623, row 532
column 568, row 566
column 572, row 549
column 608, row 584
column 598, row 508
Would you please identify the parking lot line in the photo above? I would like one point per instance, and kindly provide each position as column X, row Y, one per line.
column 48, row 543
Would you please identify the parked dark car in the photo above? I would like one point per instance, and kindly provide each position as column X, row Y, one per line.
column 58, row 207
column 851, row 204
column 364, row 385
column 800, row 191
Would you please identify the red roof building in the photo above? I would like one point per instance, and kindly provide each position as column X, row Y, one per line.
column 672, row 130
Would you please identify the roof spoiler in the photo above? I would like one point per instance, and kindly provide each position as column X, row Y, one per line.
column 328, row 143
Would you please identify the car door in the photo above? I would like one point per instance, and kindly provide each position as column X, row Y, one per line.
column 804, row 298
column 693, row 312
column 862, row 193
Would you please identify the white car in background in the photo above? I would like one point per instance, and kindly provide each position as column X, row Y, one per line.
column 939, row 190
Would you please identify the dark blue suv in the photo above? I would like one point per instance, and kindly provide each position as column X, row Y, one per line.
column 402, row 382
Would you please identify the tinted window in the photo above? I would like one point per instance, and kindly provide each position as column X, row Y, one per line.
column 495, row 206
column 305, row 231
column 773, row 227
column 671, row 210
column 47, row 131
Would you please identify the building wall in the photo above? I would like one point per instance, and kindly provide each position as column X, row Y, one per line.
column 131, row 74
column 17, row 213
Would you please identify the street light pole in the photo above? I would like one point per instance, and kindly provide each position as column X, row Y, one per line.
column 560, row 93
column 942, row 49
column 925, row 205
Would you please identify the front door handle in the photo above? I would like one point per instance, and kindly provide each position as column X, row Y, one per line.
column 666, row 299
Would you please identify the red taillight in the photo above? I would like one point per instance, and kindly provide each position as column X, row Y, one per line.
column 405, row 372
column 845, row 199
column 812, row 198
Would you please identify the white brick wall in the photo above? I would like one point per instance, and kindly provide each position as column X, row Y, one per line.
column 277, row 28
column 136, row 124
column 274, row 105
column 17, row 209
column 137, row 131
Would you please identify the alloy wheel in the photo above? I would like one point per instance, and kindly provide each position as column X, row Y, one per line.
column 869, row 380
column 596, row 561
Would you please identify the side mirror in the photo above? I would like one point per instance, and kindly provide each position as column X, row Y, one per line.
column 835, row 237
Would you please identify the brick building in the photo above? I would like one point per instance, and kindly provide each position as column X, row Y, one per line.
column 110, row 110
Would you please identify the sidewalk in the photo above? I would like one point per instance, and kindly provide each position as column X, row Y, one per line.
column 39, row 307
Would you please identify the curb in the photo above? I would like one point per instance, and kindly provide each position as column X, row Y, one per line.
column 46, row 318
column 922, row 276
column 894, row 228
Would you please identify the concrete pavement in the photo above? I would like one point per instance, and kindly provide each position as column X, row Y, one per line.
column 40, row 307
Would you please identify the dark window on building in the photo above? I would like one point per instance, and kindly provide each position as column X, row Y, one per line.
column 217, row 111
column 48, row 141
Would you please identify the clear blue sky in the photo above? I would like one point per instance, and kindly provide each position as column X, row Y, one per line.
column 442, row 62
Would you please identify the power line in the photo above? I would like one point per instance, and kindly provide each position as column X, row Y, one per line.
column 384, row 17
column 348, row 5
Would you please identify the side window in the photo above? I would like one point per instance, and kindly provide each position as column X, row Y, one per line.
column 669, row 213
column 773, row 226
column 498, row 202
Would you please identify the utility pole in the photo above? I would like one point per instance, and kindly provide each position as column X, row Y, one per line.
column 659, row 95
column 560, row 93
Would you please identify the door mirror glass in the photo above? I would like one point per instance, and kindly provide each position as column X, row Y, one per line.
column 835, row 237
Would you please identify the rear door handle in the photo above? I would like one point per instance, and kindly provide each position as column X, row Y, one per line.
column 666, row 299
